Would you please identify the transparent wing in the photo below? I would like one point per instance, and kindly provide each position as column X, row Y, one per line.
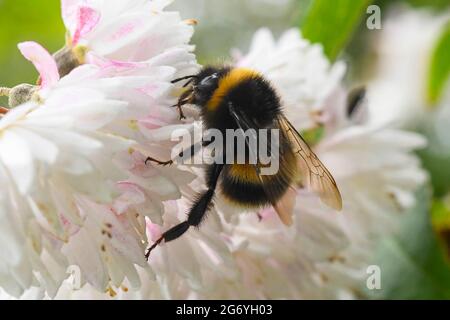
column 313, row 174
column 284, row 206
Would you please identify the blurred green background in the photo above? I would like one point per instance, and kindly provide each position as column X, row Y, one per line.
column 415, row 266
column 22, row 20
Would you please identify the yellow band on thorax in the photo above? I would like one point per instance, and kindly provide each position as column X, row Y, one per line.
column 228, row 82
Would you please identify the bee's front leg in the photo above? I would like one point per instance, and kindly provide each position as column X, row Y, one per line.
column 180, row 112
column 180, row 109
column 184, row 98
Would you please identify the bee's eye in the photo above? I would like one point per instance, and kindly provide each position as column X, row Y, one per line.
column 209, row 81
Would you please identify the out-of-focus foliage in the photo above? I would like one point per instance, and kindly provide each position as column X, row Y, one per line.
column 440, row 66
column 441, row 214
column 438, row 167
column 440, row 218
column 433, row 4
column 412, row 264
column 223, row 25
column 22, row 20
column 341, row 20
column 437, row 4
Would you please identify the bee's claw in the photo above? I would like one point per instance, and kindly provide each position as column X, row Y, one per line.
column 153, row 246
column 180, row 111
column 162, row 163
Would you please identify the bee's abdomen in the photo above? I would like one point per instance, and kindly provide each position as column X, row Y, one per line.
column 241, row 185
column 243, row 193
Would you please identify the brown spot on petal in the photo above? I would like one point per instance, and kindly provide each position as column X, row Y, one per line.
column 103, row 248
column 336, row 258
column 394, row 199
column 109, row 225
column 125, row 289
column 191, row 22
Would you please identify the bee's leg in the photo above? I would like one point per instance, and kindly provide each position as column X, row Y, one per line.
column 188, row 152
column 181, row 115
column 162, row 163
column 196, row 213
column 184, row 98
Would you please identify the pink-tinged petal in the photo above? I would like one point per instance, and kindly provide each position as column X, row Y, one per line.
column 68, row 13
column 43, row 62
column 154, row 231
column 87, row 19
column 131, row 194
column 111, row 64
column 152, row 122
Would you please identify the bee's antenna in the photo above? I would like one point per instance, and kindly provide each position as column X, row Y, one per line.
column 184, row 78
column 189, row 82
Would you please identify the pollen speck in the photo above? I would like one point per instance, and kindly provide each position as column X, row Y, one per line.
column 132, row 124
column 111, row 292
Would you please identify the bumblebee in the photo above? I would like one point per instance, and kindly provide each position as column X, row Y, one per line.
column 242, row 99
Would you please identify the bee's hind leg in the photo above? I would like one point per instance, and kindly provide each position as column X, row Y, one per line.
column 196, row 214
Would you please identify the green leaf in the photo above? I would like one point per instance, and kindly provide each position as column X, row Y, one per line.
column 332, row 23
column 413, row 264
column 440, row 66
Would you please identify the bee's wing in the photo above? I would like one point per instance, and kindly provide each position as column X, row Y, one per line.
column 313, row 174
column 284, row 206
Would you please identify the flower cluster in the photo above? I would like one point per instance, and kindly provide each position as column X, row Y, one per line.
column 78, row 191
column 72, row 148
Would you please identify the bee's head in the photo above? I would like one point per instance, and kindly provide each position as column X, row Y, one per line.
column 203, row 85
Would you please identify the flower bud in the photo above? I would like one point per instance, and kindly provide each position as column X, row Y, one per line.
column 21, row 94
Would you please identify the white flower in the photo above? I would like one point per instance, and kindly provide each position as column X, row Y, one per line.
column 53, row 150
column 128, row 30
column 234, row 254
column 80, row 142
column 324, row 254
column 397, row 94
column 299, row 71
